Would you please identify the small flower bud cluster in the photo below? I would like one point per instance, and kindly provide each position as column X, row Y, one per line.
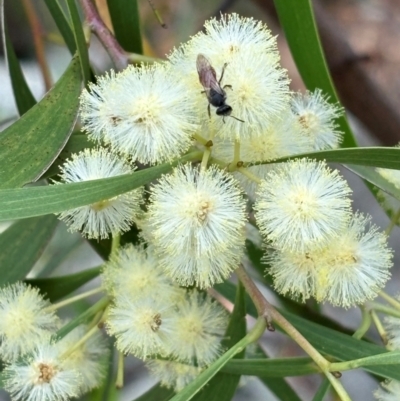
column 37, row 367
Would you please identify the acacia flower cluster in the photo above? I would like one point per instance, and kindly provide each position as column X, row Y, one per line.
column 36, row 366
column 192, row 223
column 153, row 317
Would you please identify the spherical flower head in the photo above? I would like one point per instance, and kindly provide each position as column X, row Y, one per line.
column 100, row 105
column 25, row 320
column 113, row 215
column 156, row 116
column 281, row 138
column 141, row 326
column 256, row 86
column 294, row 273
column 355, row 265
column 317, row 119
column 89, row 360
column 198, row 328
column 135, row 270
column 197, row 219
column 43, row 376
column 389, row 391
column 302, row 205
column 173, row 374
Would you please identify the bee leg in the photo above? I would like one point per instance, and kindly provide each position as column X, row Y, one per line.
column 203, row 92
column 227, row 86
column 209, row 110
column 222, row 73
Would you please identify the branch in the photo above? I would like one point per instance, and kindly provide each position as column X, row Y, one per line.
column 97, row 26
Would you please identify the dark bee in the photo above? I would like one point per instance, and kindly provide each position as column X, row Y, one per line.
column 216, row 95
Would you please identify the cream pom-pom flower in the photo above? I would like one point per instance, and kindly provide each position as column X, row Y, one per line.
column 355, row 265
column 259, row 87
column 351, row 269
column 153, row 115
column 301, row 205
column 109, row 216
column 141, row 326
column 173, row 374
column 197, row 220
column 281, row 138
column 42, row 376
column 198, row 328
column 25, row 320
column 89, row 360
column 317, row 119
column 294, row 273
column 135, row 270
column 99, row 106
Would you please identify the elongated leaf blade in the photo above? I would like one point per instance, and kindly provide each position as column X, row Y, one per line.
column 75, row 144
column 21, row 246
column 126, row 23
column 79, row 40
column 62, row 23
column 297, row 20
column 384, row 157
column 156, row 393
column 373, row 177
column 22, row 94
column 83, row 318
column 30, row 145
column 36, row 201
column 278, row 367
column 56, row 288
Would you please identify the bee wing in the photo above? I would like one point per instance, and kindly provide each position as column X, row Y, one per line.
column 207, row 74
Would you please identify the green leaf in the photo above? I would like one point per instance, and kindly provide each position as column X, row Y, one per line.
column 80, row 40
column 322, row 390
column 75, row 144
column 385, row 157
column 327, row 341
column 297, row 20
column 56, row 288
column 37, row 201
column 277, row 385
column 62, row 23
column 82, row 318
column 126, row 23
column 373, row 177
column 156, row 393
column 280, row 388
column 107, row 391
column 22, row 94
column 223, row 386
column 21, row 246
column 29, row 146
column 277, row 367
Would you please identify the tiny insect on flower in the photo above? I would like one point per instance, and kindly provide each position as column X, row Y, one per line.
column 216, row 95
